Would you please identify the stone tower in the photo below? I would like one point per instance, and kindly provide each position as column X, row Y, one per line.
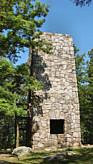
column 57, row 117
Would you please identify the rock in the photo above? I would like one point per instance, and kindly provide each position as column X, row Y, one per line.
column 71, row 153
column 21, row 151
column 8, row 150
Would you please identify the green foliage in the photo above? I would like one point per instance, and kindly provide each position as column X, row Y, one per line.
column 84, row 70
column 82, row 2
column 80, row 66
column 25, row 81
column 8, row 98
column 14, row 85
column 20, row 22
column 19, row 26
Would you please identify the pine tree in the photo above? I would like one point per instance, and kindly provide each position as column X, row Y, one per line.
column 84, row 71
column 89, row 120
column 12, row 101
column 81, row 72
column 20, row 23
column 82, row 2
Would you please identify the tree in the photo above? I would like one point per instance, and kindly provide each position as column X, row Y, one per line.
column 89, row 121
column 14, row 85
column 82, row 2
column 80, row 66
column 84, row 71
column 81, row 72
column 19, row 27
column 9, row 96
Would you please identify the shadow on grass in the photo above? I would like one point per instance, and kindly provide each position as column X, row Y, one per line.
column 5, row 162
column 83, row 155
column 36, row 157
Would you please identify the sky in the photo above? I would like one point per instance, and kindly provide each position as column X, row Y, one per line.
column 66, row 18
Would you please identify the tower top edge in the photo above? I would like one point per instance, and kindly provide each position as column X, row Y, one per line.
column 57, row 34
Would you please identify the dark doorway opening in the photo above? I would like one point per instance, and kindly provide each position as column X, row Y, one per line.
column 56, row 126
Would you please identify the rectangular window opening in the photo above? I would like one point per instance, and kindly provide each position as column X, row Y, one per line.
column 56, row 126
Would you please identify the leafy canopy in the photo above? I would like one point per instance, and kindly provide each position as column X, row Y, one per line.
column 19, row 28
column 82, row 2
column 14, row 85
column 8, row 97
column 19, row 25
column 84, row 71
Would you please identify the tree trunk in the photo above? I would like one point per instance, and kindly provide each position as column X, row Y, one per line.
column 30, row 122
column 30, row 103
column 17, row 132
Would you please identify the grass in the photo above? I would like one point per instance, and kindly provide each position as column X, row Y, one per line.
column 74, row 156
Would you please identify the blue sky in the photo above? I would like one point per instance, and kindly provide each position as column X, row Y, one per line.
column 64, row 17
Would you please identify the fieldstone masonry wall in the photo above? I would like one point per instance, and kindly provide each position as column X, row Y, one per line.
column 60, row 94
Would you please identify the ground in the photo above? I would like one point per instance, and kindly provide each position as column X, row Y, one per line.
column 67, row 156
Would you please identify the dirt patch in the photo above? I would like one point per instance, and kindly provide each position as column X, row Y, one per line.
column 8, row 159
